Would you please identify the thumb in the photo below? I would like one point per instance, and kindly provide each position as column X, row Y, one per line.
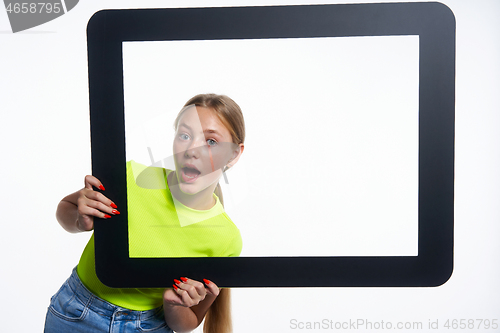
column 85, row 222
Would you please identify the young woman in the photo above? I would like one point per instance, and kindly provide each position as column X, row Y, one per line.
column 209, row 139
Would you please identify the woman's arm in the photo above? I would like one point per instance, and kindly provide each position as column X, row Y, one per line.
column 186, row 306
column 75, row 212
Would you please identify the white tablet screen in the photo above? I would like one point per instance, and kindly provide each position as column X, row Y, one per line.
column 330, row 166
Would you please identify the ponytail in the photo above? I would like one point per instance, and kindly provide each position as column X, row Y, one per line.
column 218, row 317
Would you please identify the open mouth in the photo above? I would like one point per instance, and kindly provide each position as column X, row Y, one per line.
column 189, row 174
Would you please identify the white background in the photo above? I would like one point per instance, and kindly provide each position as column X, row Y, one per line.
column 46, row 152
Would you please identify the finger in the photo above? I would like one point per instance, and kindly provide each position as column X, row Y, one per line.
column 85, row 223
column 211, row 287
column 86, row 211
column 185, row 298
column 99, row 201
column 93, row 181
column 194, row 288
column 171, row 297
column 190, row 295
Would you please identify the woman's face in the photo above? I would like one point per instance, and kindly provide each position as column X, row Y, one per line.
column 202, row 148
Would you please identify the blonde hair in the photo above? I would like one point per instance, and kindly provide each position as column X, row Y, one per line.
column 218, row 317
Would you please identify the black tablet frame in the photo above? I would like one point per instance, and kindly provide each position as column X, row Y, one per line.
column 433, row 22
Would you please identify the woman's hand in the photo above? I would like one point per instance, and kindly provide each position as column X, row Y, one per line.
column 76, row 211
column 189, row 292
column 187, row 303
column 91, row 203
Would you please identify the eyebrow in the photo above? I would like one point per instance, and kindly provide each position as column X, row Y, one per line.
column 208, row 130
column 211, row 131
column 183, row 124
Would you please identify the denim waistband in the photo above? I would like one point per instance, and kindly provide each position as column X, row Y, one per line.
column 104, row 307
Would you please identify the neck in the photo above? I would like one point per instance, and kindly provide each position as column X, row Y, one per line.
column 202, row 200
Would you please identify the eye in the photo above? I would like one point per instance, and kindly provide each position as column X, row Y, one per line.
column 183, row 136
column 211, row 142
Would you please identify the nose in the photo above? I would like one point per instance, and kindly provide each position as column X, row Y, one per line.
column 195, row 149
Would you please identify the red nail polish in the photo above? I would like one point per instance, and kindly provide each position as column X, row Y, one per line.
column 177, row 281
column 116, row 212
column 175, row 287
column 101, row 187
column 113, row 205
column 106, row 216
column 184, row 279
column 206, row 281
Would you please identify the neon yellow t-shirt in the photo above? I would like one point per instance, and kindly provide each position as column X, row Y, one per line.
column 160, row 226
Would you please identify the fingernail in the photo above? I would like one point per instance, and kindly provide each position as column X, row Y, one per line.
column 101, row 187
column 116, row 212
column 106, row 216
column 177, row 281
column 175, row 287
column 113, row 205
column 206, row 281
column 184, row 279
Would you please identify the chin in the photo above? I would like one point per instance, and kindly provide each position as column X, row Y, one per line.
column 188, row 189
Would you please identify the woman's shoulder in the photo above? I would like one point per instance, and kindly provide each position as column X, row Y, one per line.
column 234, row 244
column 149, row 177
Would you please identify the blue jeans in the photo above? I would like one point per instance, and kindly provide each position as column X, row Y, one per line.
column 75, row 309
